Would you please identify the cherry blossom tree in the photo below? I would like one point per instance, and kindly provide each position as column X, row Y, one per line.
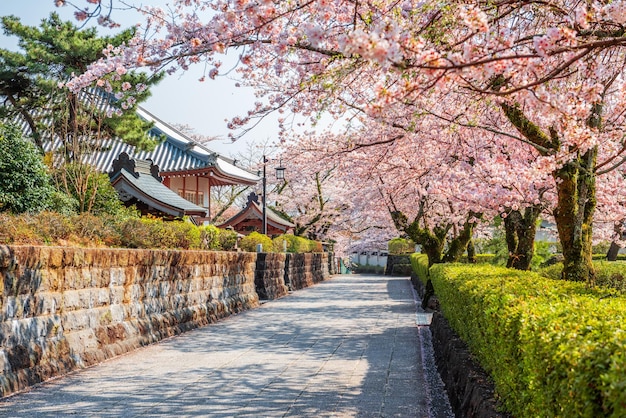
column 554, row 71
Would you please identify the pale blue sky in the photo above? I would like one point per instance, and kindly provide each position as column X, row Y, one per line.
column 179, row 98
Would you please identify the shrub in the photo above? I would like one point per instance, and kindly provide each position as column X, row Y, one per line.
column 25, row 185
column 249, row 242
column 15, row 230
column 214, row 238
column 297, row 244
column 419, row 265
column 228, row 240
column 401, row 246
column 609, row 274
column 89, row 229
column 52, row 226
column 552, row 347
column 620, row 257
column 90, row 190
column 175, row 234
column 210, row 238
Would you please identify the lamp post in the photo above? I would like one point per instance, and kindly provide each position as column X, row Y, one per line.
column 264, row 198
column 280, row 175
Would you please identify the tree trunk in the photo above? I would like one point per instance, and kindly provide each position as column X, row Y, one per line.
column 576, row 189
column 458, row 244
column 611, row 255
column 520, row 233
column 471, row 252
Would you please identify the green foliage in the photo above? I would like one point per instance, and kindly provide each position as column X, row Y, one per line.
column 213, row 238
column 91, row 189
column 419, row 264
column 401, row 246
column 609, row 274
column 63, row 203
column 210, row 237
column 123, row 229
column 553, row 348
column 249, row 242
column 50, row 54
column 496, row 245
column 228, row 240
column 297, row 244
column 25, row 185
column 601, row 248
column 620, row 257
column 176, row 234
column 482, row 258
column 543, row 252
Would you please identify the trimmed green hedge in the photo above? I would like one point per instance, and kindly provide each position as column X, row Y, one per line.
column 482, row 258
column 419, row 264
column 250, row 241
column 611, row 274
column 297, row 244
column 553, row 348
column 620, row 257
column 400, row 246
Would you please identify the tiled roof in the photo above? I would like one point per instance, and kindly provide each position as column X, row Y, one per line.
column 254, row 210
column 177, row 152
column 134, row 179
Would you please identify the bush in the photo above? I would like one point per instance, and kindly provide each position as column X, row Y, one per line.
column 90, row 190
column 210, row 238
column 25, row 185
column 401, row 246
column 482, row 258
column 249, row 242
column 552, row 347
column 152, row 232
column 228, row 240
column 297, row 244
column 609, row 274
column 419, row 265
column 620, row 257
column 52, row 226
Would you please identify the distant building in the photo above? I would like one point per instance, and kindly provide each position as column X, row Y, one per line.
column 186, row 167
column 251, row 219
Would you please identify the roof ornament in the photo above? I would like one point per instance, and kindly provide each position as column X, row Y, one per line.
column 253, row 198
column 134, row 166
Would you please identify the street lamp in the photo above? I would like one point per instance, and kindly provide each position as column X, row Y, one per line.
column 280, row 171
column 280, row 175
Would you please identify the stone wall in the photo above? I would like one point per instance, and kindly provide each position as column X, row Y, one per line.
column 64, row 308
column 398, row 265
column 269, row 277
column 304, row 270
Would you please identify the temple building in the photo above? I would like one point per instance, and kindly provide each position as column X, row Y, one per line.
column 187, row 168
column 250, row 219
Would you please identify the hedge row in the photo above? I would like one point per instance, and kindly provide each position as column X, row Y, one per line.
column 553, row 348
column 126, row 230
column 290, row 243
column 610, row 274
column 419, row 264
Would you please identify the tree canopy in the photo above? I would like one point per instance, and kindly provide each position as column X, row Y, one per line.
column 31, row 81
column 437, row 90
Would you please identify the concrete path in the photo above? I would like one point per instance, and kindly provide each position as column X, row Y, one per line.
column 347, row 347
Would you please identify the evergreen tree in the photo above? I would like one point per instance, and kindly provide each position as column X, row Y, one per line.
column 31, row 80
column 25, row 185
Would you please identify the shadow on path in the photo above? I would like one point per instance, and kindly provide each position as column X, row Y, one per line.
column 348, row 347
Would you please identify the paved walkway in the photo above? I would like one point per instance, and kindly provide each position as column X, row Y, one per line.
column 347, row 347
